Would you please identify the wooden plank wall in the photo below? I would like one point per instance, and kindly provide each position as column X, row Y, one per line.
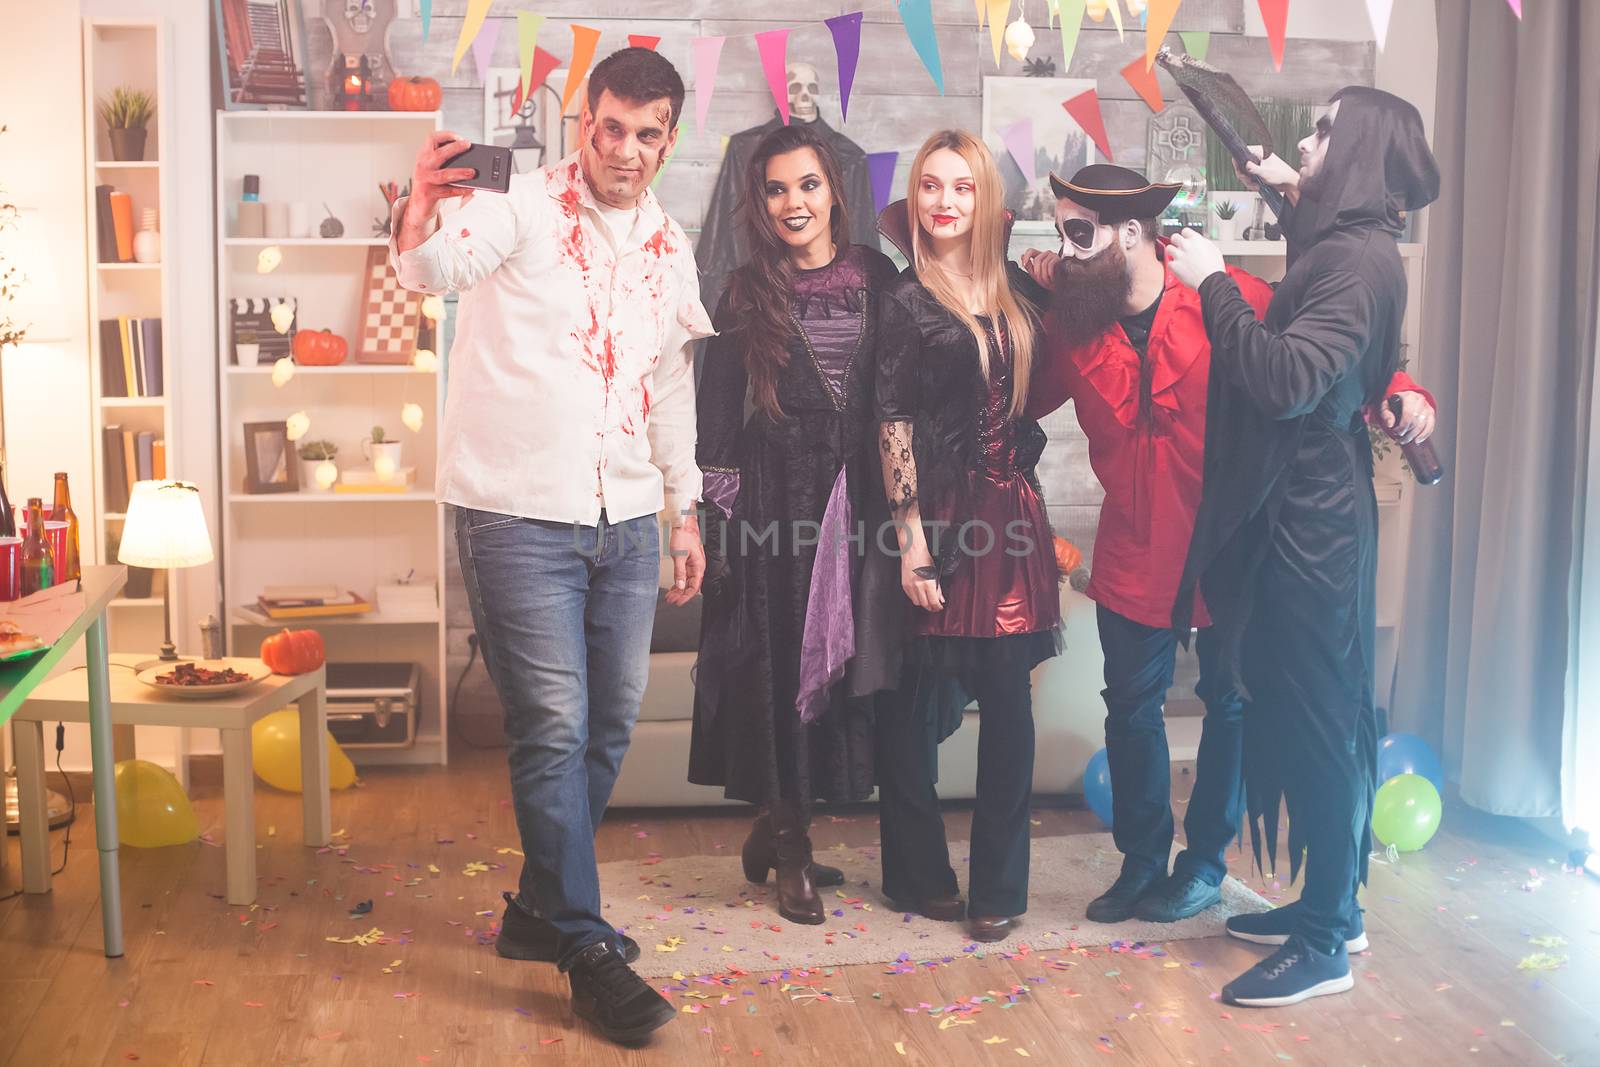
column 894, row 105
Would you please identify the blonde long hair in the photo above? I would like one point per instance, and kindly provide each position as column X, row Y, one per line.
column 988, row 236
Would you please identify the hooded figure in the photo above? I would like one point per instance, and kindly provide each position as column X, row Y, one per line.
column 1286, row 539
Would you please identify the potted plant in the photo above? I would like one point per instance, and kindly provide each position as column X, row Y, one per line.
column 316, row 457
column 1226, row 211
column 127, row 113
column 384, row 454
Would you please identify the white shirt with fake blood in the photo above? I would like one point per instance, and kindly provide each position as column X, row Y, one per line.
column 571, row 384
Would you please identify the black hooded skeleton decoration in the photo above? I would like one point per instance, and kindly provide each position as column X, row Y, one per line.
column 1285, row 542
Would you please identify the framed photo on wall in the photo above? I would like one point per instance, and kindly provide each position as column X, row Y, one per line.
column 261, row 45
column 269, row 459
column 1058, row 143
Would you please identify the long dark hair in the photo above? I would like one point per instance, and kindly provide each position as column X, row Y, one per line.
column 759, row 291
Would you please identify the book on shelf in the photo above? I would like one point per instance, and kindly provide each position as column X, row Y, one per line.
column 117, row 485
column 130, row 357
column 105, row 229
column 312, row 607
column 122, row 225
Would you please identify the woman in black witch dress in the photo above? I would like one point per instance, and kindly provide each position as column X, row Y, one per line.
column 802, row 606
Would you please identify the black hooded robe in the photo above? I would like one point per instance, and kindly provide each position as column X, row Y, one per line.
column 1286, row 539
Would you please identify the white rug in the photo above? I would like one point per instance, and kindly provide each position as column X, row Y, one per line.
column 698, row 915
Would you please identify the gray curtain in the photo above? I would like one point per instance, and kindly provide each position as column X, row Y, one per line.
column 1507, row 315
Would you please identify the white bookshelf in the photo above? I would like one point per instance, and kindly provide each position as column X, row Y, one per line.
column 354, row 540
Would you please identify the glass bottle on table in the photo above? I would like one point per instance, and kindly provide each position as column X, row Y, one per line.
column 38, row 570
column 69, row 569
column 8, row 522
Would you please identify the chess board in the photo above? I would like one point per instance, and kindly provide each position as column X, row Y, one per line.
column 389, row 315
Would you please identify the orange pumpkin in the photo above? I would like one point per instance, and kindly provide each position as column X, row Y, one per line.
column 1068, row 557
column 319, row 348
column 293, row 651
column 414, row 94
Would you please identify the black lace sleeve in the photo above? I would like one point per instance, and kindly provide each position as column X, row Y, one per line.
column 896, row 397
column 719, row 407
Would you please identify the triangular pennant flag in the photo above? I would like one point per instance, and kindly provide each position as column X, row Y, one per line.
column 1143, row 80
column 1071, row 23
column 880, row 167
column 527, row 44
column 1053, row 8
column 477, row 10
column 998, row 11
column 1157, row 21
column 1116, row 16
column 917, row 17
column 543, row 63
column 483, row 47
column 846, row 30
column 1085, row 111
column 774, row 48
column 426, row 9
column 1196, row 42
column 1378, row 12
column 1018, row 139
column 1275, row 13
column 642, row 40
column 679, row 147
column 1516, row 6
column 704, row 53
column 584, row 38
column 982, row 6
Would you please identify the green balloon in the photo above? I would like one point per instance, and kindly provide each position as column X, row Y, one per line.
column 1406, row 812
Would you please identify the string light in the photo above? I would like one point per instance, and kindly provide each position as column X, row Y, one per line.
column 425, row 360
column 1136, row 7
column 297, row 425
column 433, row 307
column 282, row 371
column 326, row 474
column 268, row 258
column 411, row 415
column 282, row 317
column 1019, row 37
column 1096, row 9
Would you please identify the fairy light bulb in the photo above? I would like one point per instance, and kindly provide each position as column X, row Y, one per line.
column 282, row 371
column 282, row 317
column 297, row 425
column 425, row 360
column 268, row 258
column 1096, row 9
column 1136, row 7
column 326, row 474
column 433, row 307
column 411, row 415
column 1019, row 38
column 383, row 466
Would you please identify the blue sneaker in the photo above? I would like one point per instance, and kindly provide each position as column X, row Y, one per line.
column 1274, row 927
column 1294, row 973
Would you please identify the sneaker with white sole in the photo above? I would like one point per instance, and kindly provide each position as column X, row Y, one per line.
column 1275, row 927
column 1294, row 973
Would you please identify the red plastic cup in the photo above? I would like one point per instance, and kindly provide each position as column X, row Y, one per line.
column 10, row 568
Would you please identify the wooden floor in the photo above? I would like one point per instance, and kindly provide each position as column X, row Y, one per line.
column 206, row 983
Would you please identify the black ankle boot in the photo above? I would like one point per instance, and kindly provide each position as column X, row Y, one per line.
column 607, row 993
column 760, row 855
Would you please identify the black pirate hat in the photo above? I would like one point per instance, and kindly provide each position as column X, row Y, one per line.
column 1115, row 193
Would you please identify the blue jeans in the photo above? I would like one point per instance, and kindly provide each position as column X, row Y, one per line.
column 1139, row 664
column 564, row 615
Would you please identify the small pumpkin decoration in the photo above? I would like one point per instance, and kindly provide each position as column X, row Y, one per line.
column 414, row 94
column 1068, row 556
column 293, row 651
column 319, row 348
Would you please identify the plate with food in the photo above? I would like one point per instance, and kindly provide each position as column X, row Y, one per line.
column 204, row 678
column 16, row 645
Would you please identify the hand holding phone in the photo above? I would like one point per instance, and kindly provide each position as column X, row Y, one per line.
column 433, row 178
column 490, row 166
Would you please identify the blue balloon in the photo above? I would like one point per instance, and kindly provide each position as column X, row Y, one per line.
column 1097, row 786
column 1409, row 754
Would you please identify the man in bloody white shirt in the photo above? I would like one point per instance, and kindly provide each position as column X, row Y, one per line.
column 569, row 425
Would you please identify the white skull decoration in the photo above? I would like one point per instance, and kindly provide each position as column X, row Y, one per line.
column 802, row 91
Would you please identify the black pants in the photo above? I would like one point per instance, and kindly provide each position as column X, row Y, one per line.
column 916, row 857
column 1138, row 664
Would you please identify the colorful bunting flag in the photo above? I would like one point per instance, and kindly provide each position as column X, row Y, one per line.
column 642, row 40
column 846, row 30
column 982, row 6
column 1018, row 139
column 527, row 44
column 917, row 17
column 1158, row 20
column 1144, row 82
column 584, row 38
column 678, row 147
column 1378, row 12
column 1275, row 13
column 1085, row 111
column 704, row 53
column 1196, row 42
column 774, row 48
column 999, row 10
column 471, row 24
column 426, row 8
column 543, row 63
column 1516, row 6
column 483, row 48
column 1116, row 16
column 1071, row 23
column 880, row 167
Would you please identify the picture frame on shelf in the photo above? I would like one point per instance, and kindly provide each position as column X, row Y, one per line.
column 250, row 323
column 270, row 462
column 390, row 314
column 1058, row 143
column 261, row 49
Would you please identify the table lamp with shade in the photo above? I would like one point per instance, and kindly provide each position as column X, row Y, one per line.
column 165, row 528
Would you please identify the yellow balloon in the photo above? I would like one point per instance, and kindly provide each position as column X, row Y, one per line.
column 152, row 811
column 275, row 753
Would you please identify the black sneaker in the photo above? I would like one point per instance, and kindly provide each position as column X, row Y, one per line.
column 524, row 936
column 1274, row 927
column 1294, row 973
column 1120, row 902
column 1179, row 897
column 607, row 993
